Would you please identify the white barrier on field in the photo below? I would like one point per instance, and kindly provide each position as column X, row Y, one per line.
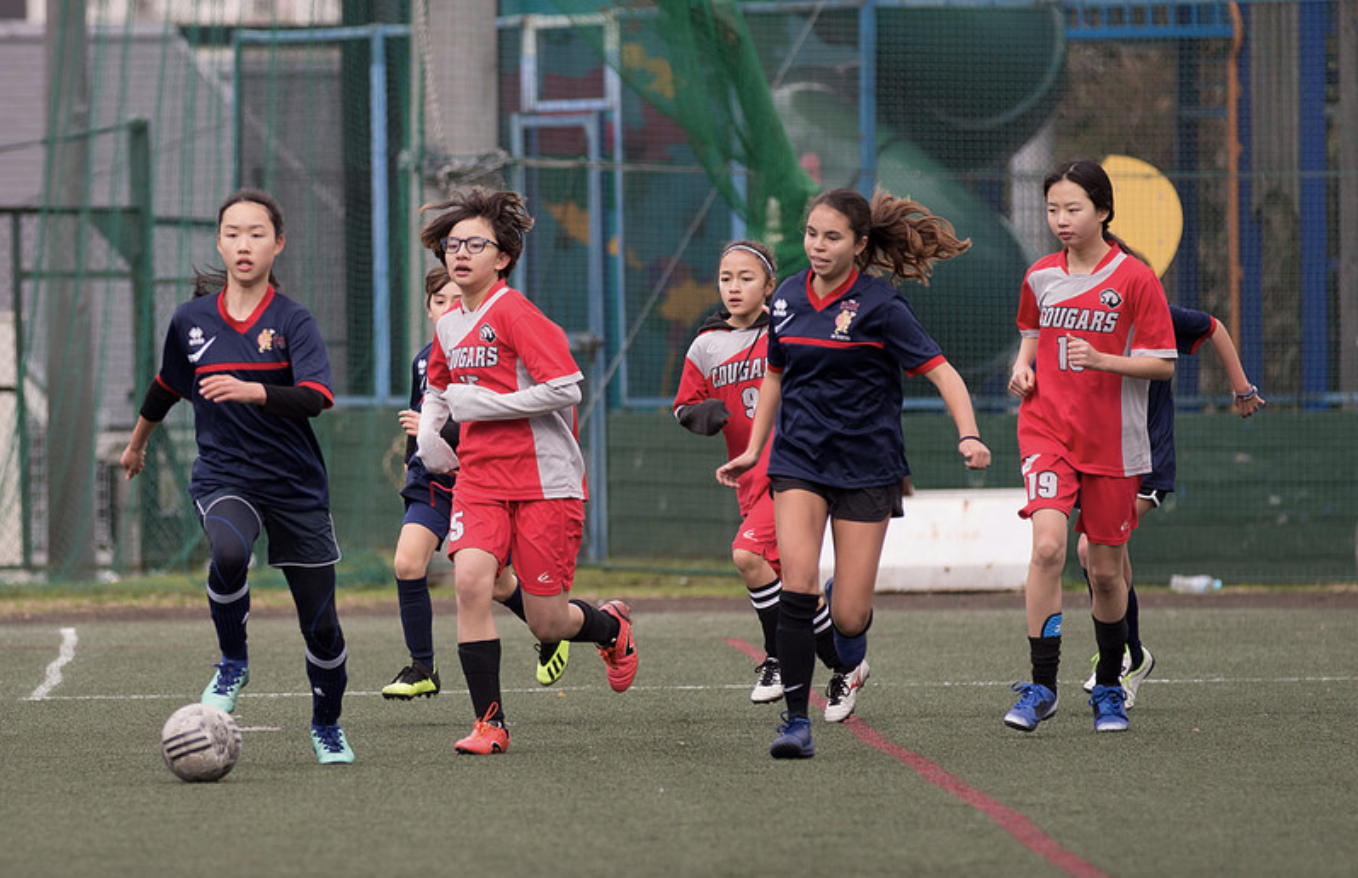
column 963, row 540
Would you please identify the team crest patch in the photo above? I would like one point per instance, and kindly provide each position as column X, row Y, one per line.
column 847, row 312
column 269, row 339
column 1110, row 298
column 487, row 333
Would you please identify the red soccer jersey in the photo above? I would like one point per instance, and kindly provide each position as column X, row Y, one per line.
column 1095, row 420
column 508, row 345
column 729, row 364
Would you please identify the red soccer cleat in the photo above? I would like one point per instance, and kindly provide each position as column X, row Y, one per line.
column 487, row 736
column 621, row 656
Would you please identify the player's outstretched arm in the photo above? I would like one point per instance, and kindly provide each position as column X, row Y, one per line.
column 765, row 412
column 133, row 459
column 957, row 398
column 155, row 406
column 1247, row 399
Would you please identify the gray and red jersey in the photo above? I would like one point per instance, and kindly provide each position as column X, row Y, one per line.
column 1096, row 420
column 728, row 364
column 505, row 346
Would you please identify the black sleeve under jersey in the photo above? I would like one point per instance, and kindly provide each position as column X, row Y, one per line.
column 292, row 402
column 449, row 432
column 157, row 403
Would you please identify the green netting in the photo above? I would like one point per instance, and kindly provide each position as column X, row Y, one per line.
column 697, row 64
column 646, row 135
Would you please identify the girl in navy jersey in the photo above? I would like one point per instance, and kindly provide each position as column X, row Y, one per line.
column 718, row 392
column 1191, row 329
column 252, row 363
column 840, row 337
column 504, row 372
column 428, row 510
column 1096, row 331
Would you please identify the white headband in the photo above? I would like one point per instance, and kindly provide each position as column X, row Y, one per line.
column 748, row 249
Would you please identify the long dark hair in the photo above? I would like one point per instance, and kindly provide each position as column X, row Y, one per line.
column 207, row 281
column 905, row 238
column 1093, row 179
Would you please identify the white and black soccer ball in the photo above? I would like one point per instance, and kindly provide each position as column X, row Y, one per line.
column 200, row 743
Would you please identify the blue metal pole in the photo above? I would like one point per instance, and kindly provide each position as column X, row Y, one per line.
column 867, row 97
column 1312, row 23
column 597, row 511
column 381, row 233
column 1186, row 270
column 1251, row 341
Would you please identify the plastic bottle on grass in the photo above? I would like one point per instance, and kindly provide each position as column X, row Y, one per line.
column 1200, row 584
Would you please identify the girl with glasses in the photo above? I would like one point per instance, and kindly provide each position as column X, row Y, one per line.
column 428, row 509
column 504, row 372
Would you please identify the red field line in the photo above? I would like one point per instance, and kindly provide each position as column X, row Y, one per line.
column 1024, row 831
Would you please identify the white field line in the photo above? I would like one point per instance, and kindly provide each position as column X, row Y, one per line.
column 708, row 687
column 64, row 656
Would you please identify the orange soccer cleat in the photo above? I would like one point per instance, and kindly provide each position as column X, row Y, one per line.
column 488, row 736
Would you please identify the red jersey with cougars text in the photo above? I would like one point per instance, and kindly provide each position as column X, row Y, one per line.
column 508, row 345
column 1095, row 420
column 728, row 364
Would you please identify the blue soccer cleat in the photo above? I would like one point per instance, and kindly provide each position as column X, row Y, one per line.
column 794, row 739
column 1110, row 714
column 1036, row 703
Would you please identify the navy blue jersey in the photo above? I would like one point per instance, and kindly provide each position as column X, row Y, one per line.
column 1191, row 329
column 419, row 479
column 273, row 459
column 841, row 360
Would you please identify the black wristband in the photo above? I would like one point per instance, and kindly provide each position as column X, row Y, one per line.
column 965, row 438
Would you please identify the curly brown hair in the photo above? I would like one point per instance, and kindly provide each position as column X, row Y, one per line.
column 504, row 211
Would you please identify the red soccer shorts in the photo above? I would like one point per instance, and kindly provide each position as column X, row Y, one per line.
column 542, row 536
column 1107, row 504
column 758, row 534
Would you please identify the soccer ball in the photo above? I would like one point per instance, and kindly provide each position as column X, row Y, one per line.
column 200, row 742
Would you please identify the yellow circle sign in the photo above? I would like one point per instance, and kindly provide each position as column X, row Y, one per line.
column 1146, row 210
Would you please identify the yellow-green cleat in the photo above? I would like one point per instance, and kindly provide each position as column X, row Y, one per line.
column 552, row 666
column 415, row 681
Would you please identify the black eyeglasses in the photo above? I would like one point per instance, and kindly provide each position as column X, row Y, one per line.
column 473, row 245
